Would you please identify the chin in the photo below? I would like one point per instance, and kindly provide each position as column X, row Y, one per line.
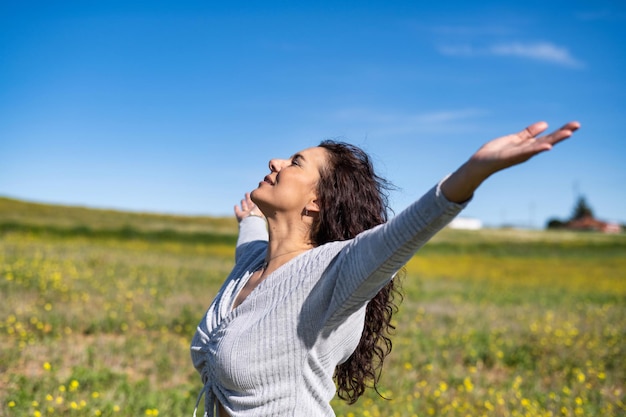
column 253, row 195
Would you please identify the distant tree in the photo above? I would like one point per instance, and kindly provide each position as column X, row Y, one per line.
column 554, row 224
column 582, row 209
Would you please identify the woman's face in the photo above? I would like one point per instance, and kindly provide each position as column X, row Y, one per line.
column 291, row 185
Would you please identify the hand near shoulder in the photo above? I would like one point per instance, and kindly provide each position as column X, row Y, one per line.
column 247, row 208
column 502, row 153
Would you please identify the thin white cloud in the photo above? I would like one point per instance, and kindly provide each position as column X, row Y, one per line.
column 472, row 31
column 390, row 124
column 605, row 15
column 543, row 51
column 458, row 50
column 540, row 51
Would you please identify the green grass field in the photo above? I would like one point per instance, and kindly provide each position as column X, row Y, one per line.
column 98, row 309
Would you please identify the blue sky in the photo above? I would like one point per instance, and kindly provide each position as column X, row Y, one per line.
column 176, row 107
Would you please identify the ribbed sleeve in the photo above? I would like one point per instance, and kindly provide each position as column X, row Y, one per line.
column 369, row 261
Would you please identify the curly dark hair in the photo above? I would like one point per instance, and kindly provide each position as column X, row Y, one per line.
column 349, row 181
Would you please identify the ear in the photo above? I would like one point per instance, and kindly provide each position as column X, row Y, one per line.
column 312, row 207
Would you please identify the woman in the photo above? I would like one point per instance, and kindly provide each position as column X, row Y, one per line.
column 311, row 294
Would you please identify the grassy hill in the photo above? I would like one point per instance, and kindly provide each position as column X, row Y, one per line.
column 99, row 307
column 69, row 220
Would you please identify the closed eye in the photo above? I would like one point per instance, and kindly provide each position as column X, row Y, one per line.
column 296, row 160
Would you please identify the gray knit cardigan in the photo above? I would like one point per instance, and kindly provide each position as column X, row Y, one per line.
column 275, row 354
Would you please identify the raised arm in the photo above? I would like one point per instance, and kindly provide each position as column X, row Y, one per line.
column 246, row 209
column 252, row 226
column 369, row 260
column 499, row 154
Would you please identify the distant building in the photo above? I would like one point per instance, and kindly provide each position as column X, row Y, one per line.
column 582, row 219
column 466, row 223
column 591, row 224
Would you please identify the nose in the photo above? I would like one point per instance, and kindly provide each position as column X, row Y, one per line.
column 276, row 165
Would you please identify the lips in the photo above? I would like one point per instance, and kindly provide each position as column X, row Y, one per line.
column 268, row 180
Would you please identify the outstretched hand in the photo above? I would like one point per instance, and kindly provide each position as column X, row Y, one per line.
column 247, row 208
column 502, row 153
column 514, row 149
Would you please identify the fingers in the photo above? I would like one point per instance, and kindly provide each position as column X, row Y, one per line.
column 239, row 212
column 563, row 133
column 533, row 130
column 571, row 126
column 246, row 203
column 546, row 142
column 242, row 209
column 246, row 208
column 567, row 129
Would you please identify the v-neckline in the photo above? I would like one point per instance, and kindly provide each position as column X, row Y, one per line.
column 254, row 290
column 234, row 305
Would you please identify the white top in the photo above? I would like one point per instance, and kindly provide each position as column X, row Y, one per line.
column 275, row 354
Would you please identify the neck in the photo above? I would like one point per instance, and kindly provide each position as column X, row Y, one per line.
column 286, row 255
column 289, row 236
column 281, row 251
